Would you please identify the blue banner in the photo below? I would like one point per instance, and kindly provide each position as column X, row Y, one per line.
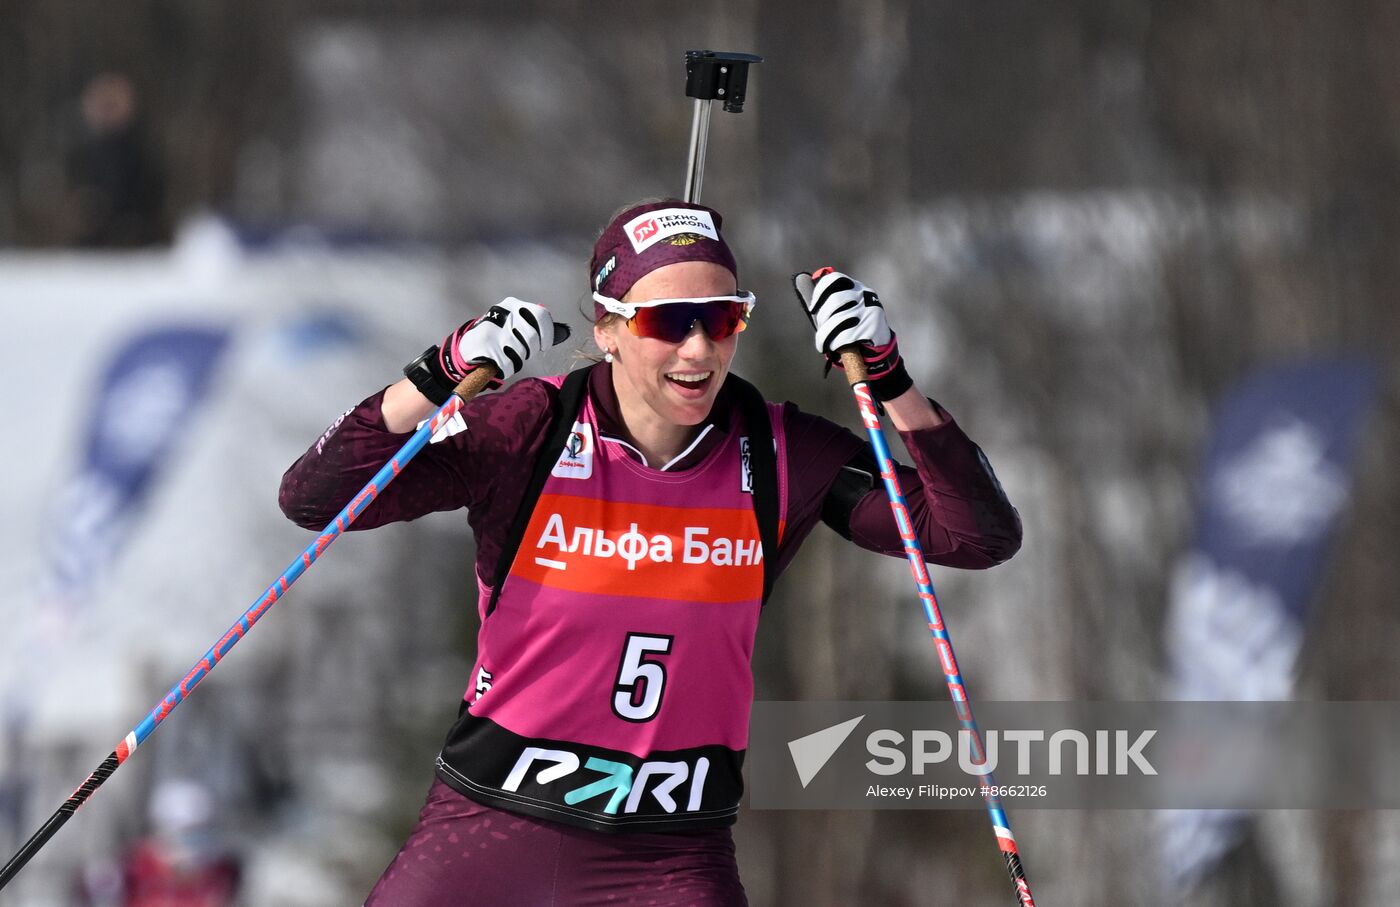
column 1277, row 473
column 144, row 402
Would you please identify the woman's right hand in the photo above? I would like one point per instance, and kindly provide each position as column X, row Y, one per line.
column 504, row 337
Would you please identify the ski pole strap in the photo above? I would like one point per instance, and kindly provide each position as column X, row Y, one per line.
column 557, row 435
column 763, row 461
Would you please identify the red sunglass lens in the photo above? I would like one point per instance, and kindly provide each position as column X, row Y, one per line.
column 671, row 322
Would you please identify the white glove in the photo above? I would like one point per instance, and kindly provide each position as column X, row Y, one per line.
column 844, row 312
column 505, row 337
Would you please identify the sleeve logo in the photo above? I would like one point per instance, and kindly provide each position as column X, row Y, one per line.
column 576, row 459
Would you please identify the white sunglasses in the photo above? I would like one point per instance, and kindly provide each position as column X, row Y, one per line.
column 629, row 309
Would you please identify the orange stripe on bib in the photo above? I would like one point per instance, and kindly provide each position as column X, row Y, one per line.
column 704, row 554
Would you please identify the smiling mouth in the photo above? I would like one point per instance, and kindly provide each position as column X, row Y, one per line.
column 691, row 382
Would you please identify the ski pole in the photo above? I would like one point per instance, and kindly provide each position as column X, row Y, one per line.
column 471, row 385
column 854, row 365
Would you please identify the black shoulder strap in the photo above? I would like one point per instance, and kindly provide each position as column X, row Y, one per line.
column 762, row 461
column 560, row 427
column 763, row 466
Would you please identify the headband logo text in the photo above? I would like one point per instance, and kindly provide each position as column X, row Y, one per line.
column 645, row 230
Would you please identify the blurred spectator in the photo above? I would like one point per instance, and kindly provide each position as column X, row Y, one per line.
column 182, row 863
column 116, row 188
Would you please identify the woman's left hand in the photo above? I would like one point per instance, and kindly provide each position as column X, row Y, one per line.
column 844, row 312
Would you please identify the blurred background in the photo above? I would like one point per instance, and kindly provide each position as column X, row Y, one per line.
column 1145, row 252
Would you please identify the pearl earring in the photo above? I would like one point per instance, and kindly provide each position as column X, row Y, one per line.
column 608, row 357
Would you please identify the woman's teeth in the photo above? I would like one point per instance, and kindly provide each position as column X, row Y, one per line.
column 690, row 379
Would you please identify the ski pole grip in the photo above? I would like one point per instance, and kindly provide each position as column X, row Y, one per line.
column 475, row 382
column 479, row 377
column 854, row 364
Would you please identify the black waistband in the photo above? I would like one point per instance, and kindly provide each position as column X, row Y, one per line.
column 591, row 787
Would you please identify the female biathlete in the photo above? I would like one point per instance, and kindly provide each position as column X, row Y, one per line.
column 630, row 519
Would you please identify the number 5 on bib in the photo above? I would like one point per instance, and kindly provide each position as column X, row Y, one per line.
column 640, row 680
